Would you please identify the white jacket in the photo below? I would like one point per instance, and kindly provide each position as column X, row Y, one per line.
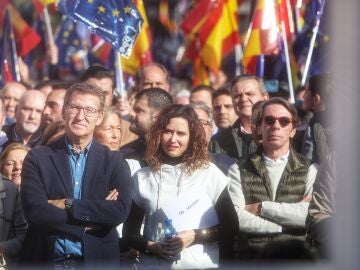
column 155, row 192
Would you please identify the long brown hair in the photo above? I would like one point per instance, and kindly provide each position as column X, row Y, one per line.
column 195, row 156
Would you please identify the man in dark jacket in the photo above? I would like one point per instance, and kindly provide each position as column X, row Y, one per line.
column 236, row 141
column 75, row 191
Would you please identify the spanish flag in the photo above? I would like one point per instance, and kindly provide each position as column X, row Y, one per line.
column 26, row 38
column 211, row 30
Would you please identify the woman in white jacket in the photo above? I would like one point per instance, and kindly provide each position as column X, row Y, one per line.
column 180, row 184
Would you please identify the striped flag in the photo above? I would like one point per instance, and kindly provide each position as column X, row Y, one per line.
column 26, row 38
column 211, row 30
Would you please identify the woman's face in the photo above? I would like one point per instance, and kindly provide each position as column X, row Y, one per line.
column 12, row 165
column 175, row 138
column 109, row 132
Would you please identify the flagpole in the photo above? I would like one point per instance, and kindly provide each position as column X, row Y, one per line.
column 120, row 86
column 15, row 56
column 287, row 58
column 48, row 26
column 312, row 44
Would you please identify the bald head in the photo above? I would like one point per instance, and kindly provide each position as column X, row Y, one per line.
column 28, row 112
column 153, row 75
column 11, row 94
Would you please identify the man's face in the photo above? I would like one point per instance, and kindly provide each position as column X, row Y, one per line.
column 29, row 111
column 276, row 136
column 223, row 110
column 11, row 97
column 202, row 96
column 82, row 114
column 207, row 125
column 153, row 77
column 53, row 107
column 308, row 100
column 142, row 117
column 105, row 84
column 245, row 94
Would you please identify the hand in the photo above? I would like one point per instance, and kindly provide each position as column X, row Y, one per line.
column 158, row 249
column 307, row 198
column 182, row 240
column 129, row 255
column 112, row 196
column 254, row 208
column 123, row 105
column 52, row 53
column 58, row 203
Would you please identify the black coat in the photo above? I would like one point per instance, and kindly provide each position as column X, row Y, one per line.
column 47, row 176
column 12, row 222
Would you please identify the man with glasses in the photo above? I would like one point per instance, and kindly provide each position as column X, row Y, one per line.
column 272, row 188
column 75, row 191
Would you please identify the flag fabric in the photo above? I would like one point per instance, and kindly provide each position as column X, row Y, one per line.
column 69, row 44
column 314, row 14
column 116, row 21
column 211, row 32
column 8, row 55
column 164, row 16
column 26, row 38
column 263, row 37
column 141, row 53
column 41, row 4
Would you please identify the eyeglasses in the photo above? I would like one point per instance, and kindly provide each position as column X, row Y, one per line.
column 88, row 111
column 283, row 121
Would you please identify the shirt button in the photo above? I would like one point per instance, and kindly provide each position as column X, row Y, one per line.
column 78, row 164
column 77, row 183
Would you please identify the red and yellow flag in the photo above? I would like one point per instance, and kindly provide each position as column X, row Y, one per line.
column 141, row 52
column 211, row 30
column 26, row 38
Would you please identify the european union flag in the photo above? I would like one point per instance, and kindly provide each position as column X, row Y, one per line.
column 8, row 55
column 68, row 42
column 116, row 21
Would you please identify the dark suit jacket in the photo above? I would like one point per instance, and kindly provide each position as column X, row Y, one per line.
column 46, row 175
column 12, row 222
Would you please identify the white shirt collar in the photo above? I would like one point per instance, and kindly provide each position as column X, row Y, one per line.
column 279, row 159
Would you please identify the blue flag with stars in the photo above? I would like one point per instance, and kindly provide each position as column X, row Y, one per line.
column 116, row 21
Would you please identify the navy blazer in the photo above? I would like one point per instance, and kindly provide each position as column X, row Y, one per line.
column 46, row 176
column 12, row 222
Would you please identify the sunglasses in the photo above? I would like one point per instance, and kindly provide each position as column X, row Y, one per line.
column 283, row 121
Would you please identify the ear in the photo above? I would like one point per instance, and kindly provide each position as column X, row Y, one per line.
column 317, row 100
column 100, row 118
column 266, row 96
column 63, row 112
column 293, row 132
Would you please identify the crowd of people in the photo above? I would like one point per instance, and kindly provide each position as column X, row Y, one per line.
column 90, row 179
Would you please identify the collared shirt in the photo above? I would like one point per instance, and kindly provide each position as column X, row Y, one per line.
column 77, row 162
column 279, row 159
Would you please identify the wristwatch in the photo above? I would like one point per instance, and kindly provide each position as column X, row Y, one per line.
column 68, row 204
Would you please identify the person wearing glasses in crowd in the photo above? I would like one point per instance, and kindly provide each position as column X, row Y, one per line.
column 272, row 189
column 70, row 191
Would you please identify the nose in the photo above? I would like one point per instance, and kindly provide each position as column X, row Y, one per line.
column 46, row 110
column 222, row 109
column 17, row 165
column 12, row 102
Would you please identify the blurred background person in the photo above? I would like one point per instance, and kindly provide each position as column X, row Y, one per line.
column 223, row 108
column 152, row 75
column 53, row 132
column 11, row 161
column 26, row 129
column 202, row 94
column 109, row 131
column 11, row 94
